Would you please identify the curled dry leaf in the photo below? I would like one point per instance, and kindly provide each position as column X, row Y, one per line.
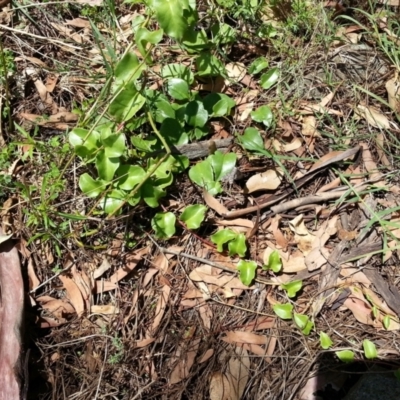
column 293, row 145
column 236, row 72
column 302, row 236
column 104, row 266
column 268, row 180
column 309, row 126
column 244, row 337
column 373, row 116
column 393, row 89
column 104, row 286
column 73, row 294
column 214, row 204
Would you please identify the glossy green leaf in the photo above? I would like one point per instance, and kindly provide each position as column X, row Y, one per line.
column 114, row 145
column 126, row 104
column 207, row 173
column 222, row 164
column 252, row 140
column 283, row 311
column 195, row 114
column 386, row 322
column 218, row 104
column 247, row 271
column 274, row 262
column 106, row 166
column 152, row 194
column 325, row 341
column 209, row 65
column 195, row 41
column 92, row 188
column 303, row 322
column 369, row 349
column 222, row 237
column 292, row 287
column 163, row 225
column 258, row 65
column 128, row 69
column 263, row 115
column 143, row 37
column 174, row 16
column 223, row 34
column 238, row 246
column 164, row 110
column 177, row 71
column 193, row 215
column 113, row 201
column 178, row 89
column 143, row 145
column 269, row 78
column 82, row 137
column 129, row 176
column 347, row 356
column 172, row 130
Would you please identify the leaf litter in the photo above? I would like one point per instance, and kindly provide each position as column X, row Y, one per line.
column 178, row 311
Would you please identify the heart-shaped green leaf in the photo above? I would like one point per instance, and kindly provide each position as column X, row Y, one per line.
column 113, row 201
column 222, row 164
column 263, row 115
column 209, row 65
column 218, row 104
column 128, row 69
column 269, row 78
column 92, row 188
column 347, row 356
column 114, row 145
column 174, row 16
column 274, row 262
column 178, row 89
column 84, row 138
column 369, row 349
column 292, row 287
column 252, row 140
column 258, row 65
column 152, row 194
column 143, row 37
column 106, row 166
column 247, row 271
column 325, row 341
column 221, row 237
column 126, row 104
column 177, row 71
column 195, row 114
column 163, row 225
column 129, row 176
column 283, row 311
column 303, row 322
column 193, row 216
column 173, row 132
column 238, row 246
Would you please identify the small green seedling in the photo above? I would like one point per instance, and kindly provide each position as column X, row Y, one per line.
column 347, row 356
column 369, row 349
column 164, row 225
column 292, row 287
column 193, row 216
column 247, row 271
column 284, row 311
column 274, row 262
column 303, row 322
column 236, row 242
column 208, row 173
column 325, row 341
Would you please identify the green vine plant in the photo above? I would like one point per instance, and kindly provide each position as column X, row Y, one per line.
column 126, row 147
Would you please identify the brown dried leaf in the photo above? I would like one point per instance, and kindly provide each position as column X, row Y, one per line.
column 309, row 126
column 373, row 116
column 186, row 359
column 73, row 293
column 244, row 337
column 220, row 388
column 130, row 262
column 268, row 180
column 160, row 308
column 260, row 323
column 302, row 236
column 33, row 279
column 214, row 204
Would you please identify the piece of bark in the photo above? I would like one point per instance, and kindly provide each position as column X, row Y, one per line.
column 11, row 308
